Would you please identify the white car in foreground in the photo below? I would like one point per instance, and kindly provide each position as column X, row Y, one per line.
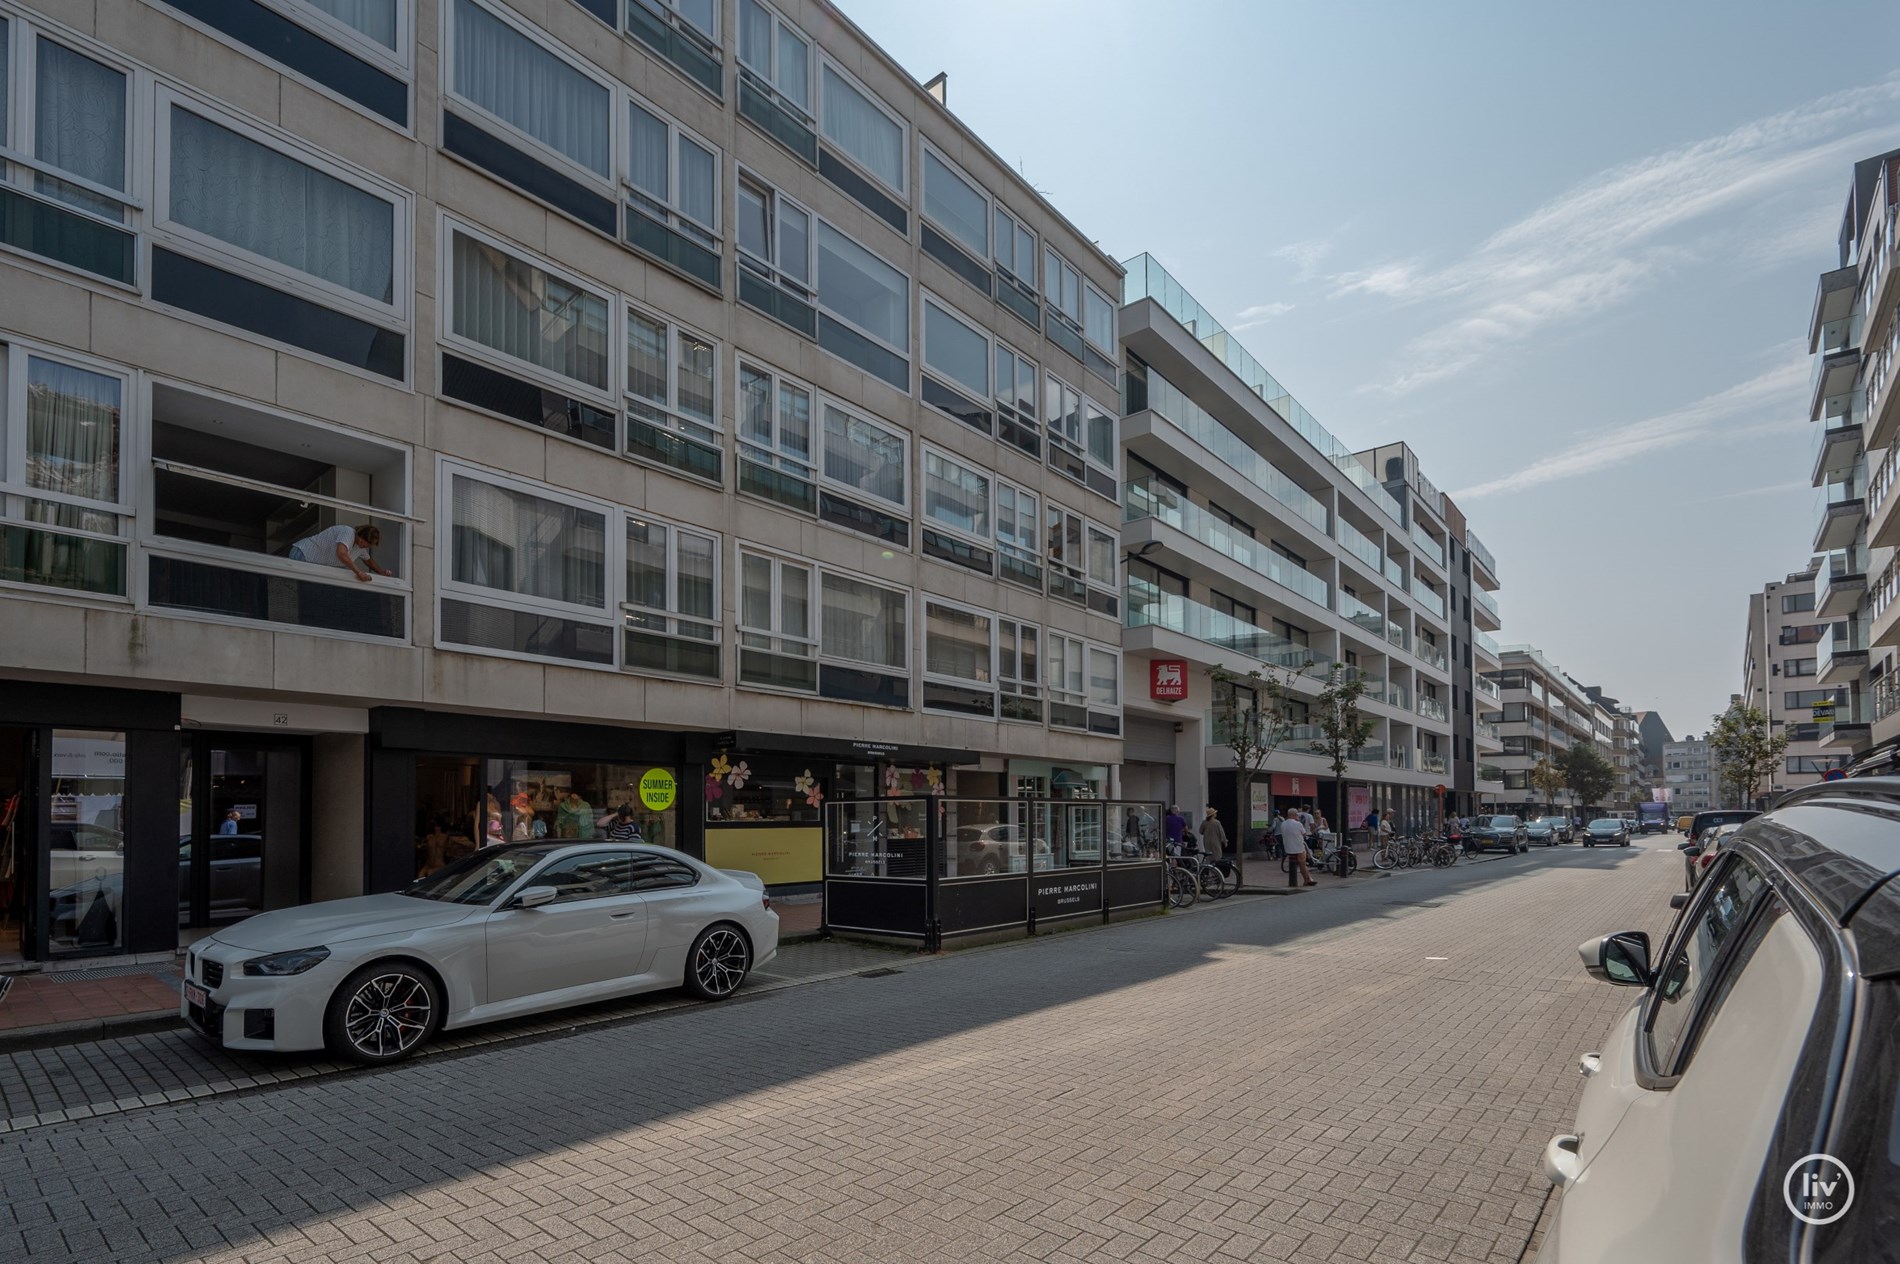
column 510, row 930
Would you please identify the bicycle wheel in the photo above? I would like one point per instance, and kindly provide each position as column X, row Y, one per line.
column 1182, row 890
column 1213, row 882
column 1382, row 858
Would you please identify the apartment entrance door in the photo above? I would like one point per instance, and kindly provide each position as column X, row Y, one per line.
column 243, row 830
column 17, row 851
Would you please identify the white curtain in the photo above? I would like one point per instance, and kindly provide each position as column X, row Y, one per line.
column 79, row 125
column 514, row 542
column 863, row 623
column 232, row 188
column 956, row 643
column 755, row 38
column 860, row 455
column 647, row 154
column 72, row 430
column 515, row 79
column 699, row 183
column 794, row 68
column 374, row 18
column 521, row 311
column 863, row 131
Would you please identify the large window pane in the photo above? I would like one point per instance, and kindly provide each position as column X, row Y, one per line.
column 72, row 430
column 79, row 125
column 374, row 18
column 955, row 205
column 861, row 288
column 862, row 130
column 524, row 84
column 794, row 68
column 647, row 152
column 957, row 643
column 516, row 542
column 865, row 457
column 864, row 623
column 1099, row 320
column 230, row 187
column 86, row 831
column 517, row 309
column 956, row 351
column 956, row 495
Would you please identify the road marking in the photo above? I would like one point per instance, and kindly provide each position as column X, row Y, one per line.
column 1438, row 958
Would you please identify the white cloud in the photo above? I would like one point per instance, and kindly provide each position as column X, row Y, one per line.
column 1604, row 240
column 1258, row 314
column 1306, row 256
column 1732, row 413
column 1790, row 488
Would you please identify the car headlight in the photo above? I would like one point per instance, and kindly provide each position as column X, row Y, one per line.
column 282, row 963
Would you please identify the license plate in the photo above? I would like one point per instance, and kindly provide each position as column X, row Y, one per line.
column 195, row 996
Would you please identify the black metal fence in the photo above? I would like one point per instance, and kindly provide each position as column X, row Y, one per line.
column 935, row 868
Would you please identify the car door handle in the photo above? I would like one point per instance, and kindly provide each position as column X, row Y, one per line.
column 623, row 916
column 1589, row 1064
column 1561, row 1161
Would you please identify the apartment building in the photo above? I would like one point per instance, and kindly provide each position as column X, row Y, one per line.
column 1855, row 343
column 1256, row 540
column 1783, row 676
column 728, row 427
column 1689, row 773
column 1623, row 750
column 1540, row 710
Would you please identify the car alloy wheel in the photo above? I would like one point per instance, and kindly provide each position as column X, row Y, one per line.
column 382, row 1013
column 718, row 962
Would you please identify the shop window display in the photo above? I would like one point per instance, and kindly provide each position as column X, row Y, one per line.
column 86, row 842
column 743, row 789
column 465, row 804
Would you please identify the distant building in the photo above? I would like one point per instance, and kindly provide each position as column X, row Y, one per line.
column 1785, row 675
column 1689, row 775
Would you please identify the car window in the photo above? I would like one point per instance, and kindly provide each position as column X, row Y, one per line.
column 661, row 873
column 590, row 875
column 1694, row 954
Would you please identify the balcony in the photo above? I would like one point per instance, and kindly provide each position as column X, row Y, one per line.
column 1485, row 615
column 1430, row 762
column 1883, row 610
column 1427, row 546
column 1489, row 688
column 1491, row 776
column 1433, row 655
column 1486, row 731
column 1841, row 585
column 1397, row 758
column 1428, row 600
column 1397, row 635
column 1222, row 726
column 1487, row 647
column 1395, row 574
column 1362, row 616
column 1484, row 567
column 1843, row 511
column 1880, row 404
column 1432, row 708
column 1358, row 543
column 1148, row 606
column 1384, row 691
column 1368, row 754
column 1836, row 445
column 1842, row 655
column 1836, row 364
column 1149, row 498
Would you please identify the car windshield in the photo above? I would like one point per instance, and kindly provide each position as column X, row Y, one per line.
column 1504, row 822
column 1607, row 823
column 479, row 878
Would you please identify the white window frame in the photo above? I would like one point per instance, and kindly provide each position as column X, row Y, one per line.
column 818, row 301
column 1017, row 227
column 1079, row 569
column 710, row 434
column 1112, row 466
column 672, row 12
column 927, row 300
column 901, row 189
column 956, row 682
column 982, row 253
column 613, row 556
column 1053, row 416
column 1035, row 550
column 1110, row 349
column 1057, row 648
column 397, row 60
column 986, row 539
column 671, row 614
column 1054, row 284
column 776, row 201
column 610, row 399
column 821, row 434
column 778, row 637
column 775, row 458
column 25, row 30
column 280, row 276
column 1114, row 654
column 769, row 80
column 669, row 212
column 1009, row 678
column 903, row 671
column 616, row 117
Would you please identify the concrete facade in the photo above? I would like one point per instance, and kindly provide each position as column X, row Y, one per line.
column 1781, row 673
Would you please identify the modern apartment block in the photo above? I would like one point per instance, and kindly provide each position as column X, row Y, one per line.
column 1781, row 673
column 1623, row 750
column 1541, row 710
column 1690, row 776
column 1257, row 540
column 734, row 430
column 1855, row 341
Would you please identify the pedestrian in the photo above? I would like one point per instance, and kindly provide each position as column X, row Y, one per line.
column 342, row 545
column 619, row 825
column 1176, row 826
column 1213, row 835
column 230, row 823
column 1293, row 840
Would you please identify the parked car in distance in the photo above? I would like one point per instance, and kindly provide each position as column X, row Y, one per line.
column 988, row 849
column 1548, row 830
column 1496, row 833
column 1684, row 821
column 1756, row 1064
column 1607, row 831
column 1719, row 816
column 1699, row 855
column 514, row 929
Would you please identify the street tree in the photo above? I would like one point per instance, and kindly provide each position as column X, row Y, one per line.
column 1343, row 729
column 1549, row 779
column 1590, row 776
column 1745, row 752
column 1254, row 714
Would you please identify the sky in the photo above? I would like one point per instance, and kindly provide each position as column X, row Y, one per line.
column 1567, row 252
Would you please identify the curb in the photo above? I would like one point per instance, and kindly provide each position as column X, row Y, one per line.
column 21, row 1039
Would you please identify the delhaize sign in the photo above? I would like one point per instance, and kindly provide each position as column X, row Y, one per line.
column 1167, row 680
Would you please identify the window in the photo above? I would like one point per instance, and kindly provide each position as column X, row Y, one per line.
column 1063, row 408
column 1083, row 566
column 512, row 543
column 956, row 496
column 955, row 349
column 869, row 302
column 1098, row 431
column 670, row 376
column 1068, row 682
column 1234, row 609
column 959, row 660
column 1797, row 667
column 674, row 175
column 1105, row 679
column 1695, row 953
column 520, row 310
column 672, row 605
column 777, row 644
column 1098, row 324
column 1245, row 528
column 775, row 238
column 1015, row 250
column 1804, row 635
column 1018, row 532
column 864, row 624
column 1797, row 603
column 78, row 128
column 379, row 21
column 702, row 15
column 1019, row 670
column 1063, row 286
column 956, row 205
column 530, row 88
column 591, row 875
column 853, row 121
column 777, row 52
column 775, row 423
column 61, row 494
column 248, row 197
column 1797, row 699
column 865, row 458
column 1016, row 400
column 1812, row 765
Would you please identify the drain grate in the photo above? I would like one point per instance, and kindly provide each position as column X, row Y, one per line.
column 878, row 973
column 106, row 972
column 1415, row 904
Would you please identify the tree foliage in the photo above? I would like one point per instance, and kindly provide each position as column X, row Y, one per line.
column 1253, row 716
column 1343, row 729
column 1548, row 778
column 1745, row 752
column 1590, row 776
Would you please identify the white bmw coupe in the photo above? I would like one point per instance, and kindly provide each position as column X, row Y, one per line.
column 510, row 930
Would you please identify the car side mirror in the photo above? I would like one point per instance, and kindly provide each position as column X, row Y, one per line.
column 1685, row 846
column 1622, row 958
column 534, row 897
column 1679, row 900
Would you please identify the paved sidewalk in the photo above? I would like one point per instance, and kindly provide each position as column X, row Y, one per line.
column 58, row 999
column 1367, row 1073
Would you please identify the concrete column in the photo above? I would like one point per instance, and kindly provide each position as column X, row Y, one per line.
column 337, row 805
column 1190, row 766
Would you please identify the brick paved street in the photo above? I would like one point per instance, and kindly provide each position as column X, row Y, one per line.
column 1270, row 1078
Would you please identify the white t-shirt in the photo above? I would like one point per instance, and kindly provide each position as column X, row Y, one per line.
column 321, row 547
column 1292, row 836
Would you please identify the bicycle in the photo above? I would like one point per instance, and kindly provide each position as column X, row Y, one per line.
column 1183, row 886
column 1210, row 879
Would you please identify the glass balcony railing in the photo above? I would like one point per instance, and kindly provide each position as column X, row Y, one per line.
column 1429, row 762
column 1489, row 644
column 1395, row 574
column 1169, row 401
column 1146, row 278
column 1475, row 547
column 1432, row 708
column 1148, row 606
column 1400, row 759
column 1357, row 543
column 1429, row 547
column 1432, row 654
column 1222, row 725
column 1368, row 755
column 1428, row 600
column 1397, row 635
column 1491, row 773
column 1360, row 615
column 1489, row 688
column 1490, row 603
column 1379, row 689
column 1486, row 728
column 1149, row 498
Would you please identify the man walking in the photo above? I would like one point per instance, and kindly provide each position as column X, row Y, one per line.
column 1176, row 826
column 1293, row 842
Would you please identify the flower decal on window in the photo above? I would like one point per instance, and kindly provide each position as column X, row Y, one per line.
column 934, row 779
column 715, row 789
column 807, row 785
column 719, row 768
column 917, row 779
column 890, row 779
column 740, row 774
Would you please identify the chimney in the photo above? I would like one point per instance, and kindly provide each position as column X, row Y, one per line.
column 940, row 88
